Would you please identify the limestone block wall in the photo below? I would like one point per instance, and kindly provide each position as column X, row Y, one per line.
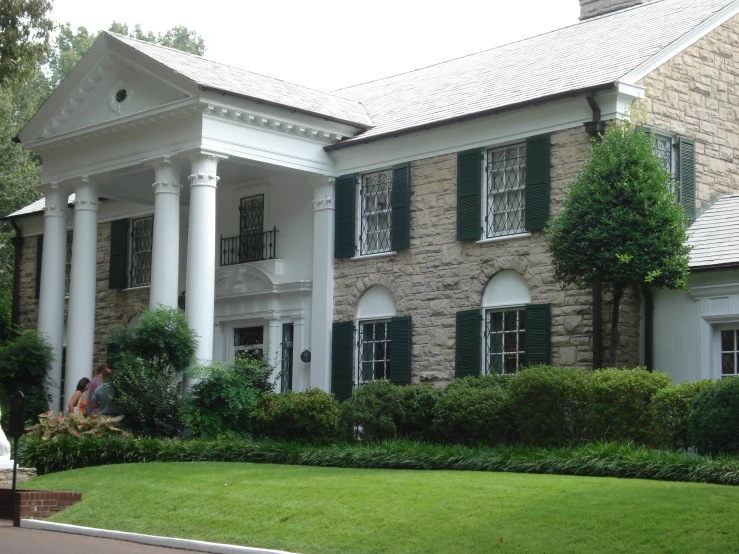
column 695, row 96
column 439, row 276
column 112, row 307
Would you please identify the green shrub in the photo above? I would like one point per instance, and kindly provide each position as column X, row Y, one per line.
column 51, row 426
column 222, row 399
column 421, row 404
column 670, row 413
column 548, row 405
column 375, row 411
column 714, row 419
column 24, row 366
column 147, row 397
column 618, row 404
column 310, row 416
column 472, row 410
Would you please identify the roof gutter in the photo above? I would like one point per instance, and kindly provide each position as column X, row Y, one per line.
column 293, row 109
column 461, row 119
column 701, row 269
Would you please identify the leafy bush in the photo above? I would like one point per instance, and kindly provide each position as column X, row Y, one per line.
column 714, row 419
column 670, row 413
column 548, row 405
column 473, row 410
column 51, row 426
column 375, row 411
column 618, row 404
column 148, row 398
column 222, row 399
column 420, row 410
column 596, row 460
column 24, row 366
column 161, row 337
column 312, row 415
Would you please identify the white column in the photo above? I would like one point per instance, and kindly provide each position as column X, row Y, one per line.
column 322, row 300
column 81, row 326
column 165, row 250
column 201, row 251
column 53, row 269
column 274, row 352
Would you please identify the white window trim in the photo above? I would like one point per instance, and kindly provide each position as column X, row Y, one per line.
column 525, row 235
column 484, row 204
column 358, row 234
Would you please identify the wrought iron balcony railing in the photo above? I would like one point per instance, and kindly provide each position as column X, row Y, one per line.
column 249, row 247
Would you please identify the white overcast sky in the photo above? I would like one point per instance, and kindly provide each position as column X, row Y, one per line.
column 331, row 44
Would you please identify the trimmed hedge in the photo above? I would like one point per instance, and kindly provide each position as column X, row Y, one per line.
column 311, row 416
column 714, row 419
column 595, row 460
column 670, row 412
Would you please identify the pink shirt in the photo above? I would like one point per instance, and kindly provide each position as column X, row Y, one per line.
column 95, row 383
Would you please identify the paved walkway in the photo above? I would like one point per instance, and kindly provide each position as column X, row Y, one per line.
column 31, row 541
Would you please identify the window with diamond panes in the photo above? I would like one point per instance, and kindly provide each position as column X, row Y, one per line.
column 374, row 352
column 663, row 150
column 505, row 198
column 68, row 266
column 142, row 230
column 729, row 352
column 251, row 228
column 505, row 341
column 286, row 367
column 374, row 193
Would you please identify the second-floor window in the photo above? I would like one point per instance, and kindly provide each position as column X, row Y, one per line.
column 663, row 149
column 505, row 186
column 142, row 230
column 376, row 211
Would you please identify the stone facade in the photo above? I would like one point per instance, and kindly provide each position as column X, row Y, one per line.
column 439, row 276
column 694, row 96
column 112, row 307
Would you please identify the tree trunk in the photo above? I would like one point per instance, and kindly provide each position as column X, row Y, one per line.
column 597, row 325
column 615, row 309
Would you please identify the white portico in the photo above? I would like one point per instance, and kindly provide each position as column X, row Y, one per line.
column 220, row 193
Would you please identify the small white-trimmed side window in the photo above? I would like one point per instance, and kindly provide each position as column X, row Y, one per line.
column 375, row 212
column 374, row 346
column 729, row 353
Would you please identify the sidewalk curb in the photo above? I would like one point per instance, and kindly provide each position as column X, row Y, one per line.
column 197, row 546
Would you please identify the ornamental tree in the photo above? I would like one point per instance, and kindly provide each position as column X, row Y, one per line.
column 620, row 227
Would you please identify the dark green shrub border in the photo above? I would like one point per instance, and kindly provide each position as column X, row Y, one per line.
column 594, row 460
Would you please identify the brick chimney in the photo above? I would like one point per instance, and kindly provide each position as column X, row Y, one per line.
column 593, row 8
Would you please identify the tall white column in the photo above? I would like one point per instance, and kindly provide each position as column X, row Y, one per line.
column 201, row 251
column 165, row 250
column 274, row 350
column 81, row 327
column 322, row 299
column 53, row 269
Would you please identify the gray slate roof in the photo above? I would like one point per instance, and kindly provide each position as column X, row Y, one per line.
column 588, row 54
column 245, row 83
column 714, row 236
column 37, row 206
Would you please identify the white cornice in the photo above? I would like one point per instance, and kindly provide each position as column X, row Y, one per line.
column 681, row 44
column 138, row 121
column 269, row 123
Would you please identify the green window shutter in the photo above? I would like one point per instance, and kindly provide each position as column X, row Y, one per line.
column 342, row 350
column 345, row 214
column 112, row 351
column 39, row 252
column 118, row 254
column 469, row 194
column 686, row 175
column 537, row 182
column 538, row 334
column 400, row 201
column 467, row 350
column 400, row 341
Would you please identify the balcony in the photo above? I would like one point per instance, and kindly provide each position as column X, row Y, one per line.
column 249, row 247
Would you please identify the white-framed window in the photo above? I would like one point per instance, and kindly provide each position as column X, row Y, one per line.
column 68, row 265
column 375, row 212
column 664, row 149
column 374, row 326
column 505, row 191
column 140, row 245
column 729, row 352
column 504, row 323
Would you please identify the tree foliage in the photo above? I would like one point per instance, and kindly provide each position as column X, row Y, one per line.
column 620, row 224
column 24, row 38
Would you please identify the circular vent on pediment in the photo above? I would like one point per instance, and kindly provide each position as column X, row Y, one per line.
column 121, row 95
column 119, row 99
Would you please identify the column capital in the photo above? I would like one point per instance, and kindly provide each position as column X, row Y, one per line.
column 85, row 194
column 323, row 194
column 56, row 199
column 204, row 165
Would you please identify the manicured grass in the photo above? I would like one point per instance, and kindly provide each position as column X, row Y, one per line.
column 336, row 510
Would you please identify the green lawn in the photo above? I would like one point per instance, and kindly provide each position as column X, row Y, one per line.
column 324, row 510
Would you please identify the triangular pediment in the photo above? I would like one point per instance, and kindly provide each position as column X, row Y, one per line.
column 110, row 83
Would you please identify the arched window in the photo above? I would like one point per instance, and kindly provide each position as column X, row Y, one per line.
column 504, row 314
column 376, row 309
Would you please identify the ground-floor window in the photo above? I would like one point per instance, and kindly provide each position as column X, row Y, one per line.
column 373, row 351
column 729, row 352
column 505, row 341
column 249, row 342
column 286, row 371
